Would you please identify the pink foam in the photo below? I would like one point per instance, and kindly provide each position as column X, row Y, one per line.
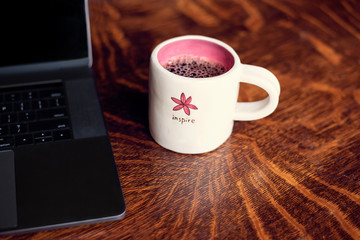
column 198, row 48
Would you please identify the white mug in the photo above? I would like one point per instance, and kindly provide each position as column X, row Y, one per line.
column 196, row 115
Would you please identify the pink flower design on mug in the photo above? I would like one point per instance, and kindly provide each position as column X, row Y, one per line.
column 184, row 103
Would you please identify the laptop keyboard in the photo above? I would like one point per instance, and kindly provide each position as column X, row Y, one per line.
column 33, row 115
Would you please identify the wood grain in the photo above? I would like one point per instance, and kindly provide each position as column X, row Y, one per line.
column 292, row 175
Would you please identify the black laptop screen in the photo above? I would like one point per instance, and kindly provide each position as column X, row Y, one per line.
column 41, row 31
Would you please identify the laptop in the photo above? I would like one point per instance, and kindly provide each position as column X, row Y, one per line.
column 56, row 163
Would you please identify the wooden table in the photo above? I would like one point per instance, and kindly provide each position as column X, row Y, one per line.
column 292, row 175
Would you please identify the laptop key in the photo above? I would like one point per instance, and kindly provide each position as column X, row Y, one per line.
column 40, row 104
column 4, row 130
column 26, row 116
column 57, row 102
column 8, row 118
column 52, row 93
column 24, row 139
column 49, row 125
column 30, row 95
column 61, row 135
column 43, row 139
column 51, row 113
column 12, row 97
column 4, row 108
column 6, row 142
column 22, row 106
column 42, row 134
column 18, row 128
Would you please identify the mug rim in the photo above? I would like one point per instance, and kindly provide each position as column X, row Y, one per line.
column 155, row 60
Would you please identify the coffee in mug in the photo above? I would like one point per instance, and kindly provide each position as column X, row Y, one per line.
column 195, row 67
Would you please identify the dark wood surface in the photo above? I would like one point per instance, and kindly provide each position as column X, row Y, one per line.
column 292, row 175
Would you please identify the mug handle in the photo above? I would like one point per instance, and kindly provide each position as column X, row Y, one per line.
column 264, row 79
